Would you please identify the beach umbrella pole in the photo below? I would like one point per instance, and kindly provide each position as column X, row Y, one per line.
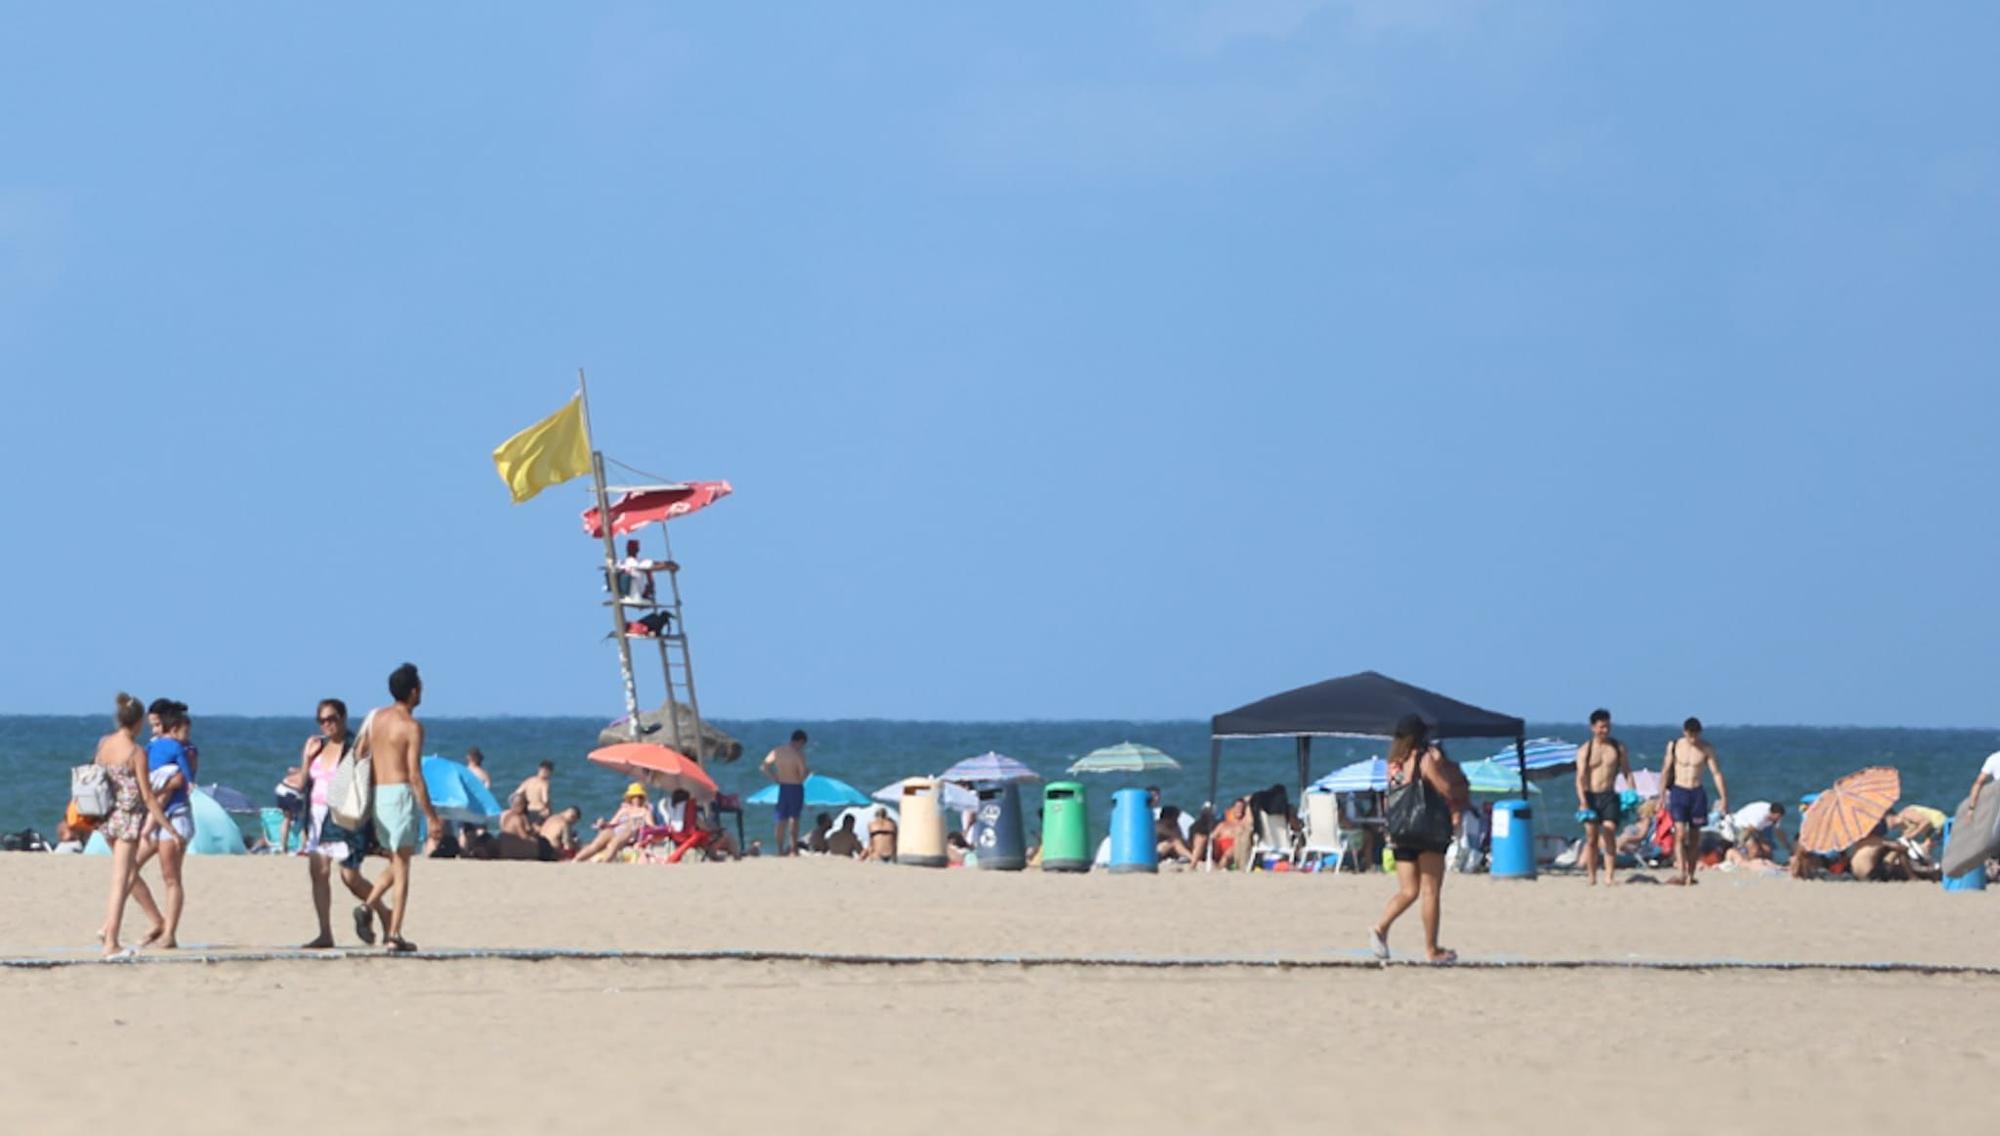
column 1521, row 762
column 1305, row 746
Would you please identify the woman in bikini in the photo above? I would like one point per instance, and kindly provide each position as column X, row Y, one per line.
column 134, row 812
column 1417, row 766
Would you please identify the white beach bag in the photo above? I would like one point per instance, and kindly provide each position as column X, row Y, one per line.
column 90, row 788
column 350, row 796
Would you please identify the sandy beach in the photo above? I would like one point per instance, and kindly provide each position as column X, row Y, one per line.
column 485, row 1044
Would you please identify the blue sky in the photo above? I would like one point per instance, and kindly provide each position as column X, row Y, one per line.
column 1068, row 360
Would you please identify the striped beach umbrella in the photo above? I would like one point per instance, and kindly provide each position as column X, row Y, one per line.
column 1850, row 810
column 1370, row 776
column 1490, row 776
column 1543, row 757
column 1125, row 757
column 989, row 767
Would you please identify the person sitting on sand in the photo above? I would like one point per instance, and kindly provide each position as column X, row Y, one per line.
column 845, row 842
column 560, row 829
column 613, row 835
column 514, row 822
column 881, row 838
column 956, row 850
column 815, row 840
column 1917, row 828
column 1234, row 837
column 1167, row 841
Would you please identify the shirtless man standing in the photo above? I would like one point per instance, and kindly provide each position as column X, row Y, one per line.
column 787, row 766
column 1686, row 800
column 396, row 743
column 1600, row 762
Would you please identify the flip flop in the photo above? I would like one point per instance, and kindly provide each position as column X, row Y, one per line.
column 401, row 946
column 1377, row 945
column 1445, row 958
column 364, row 924
column 127, row 954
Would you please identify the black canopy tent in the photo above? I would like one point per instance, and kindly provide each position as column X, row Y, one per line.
column 1365, row 705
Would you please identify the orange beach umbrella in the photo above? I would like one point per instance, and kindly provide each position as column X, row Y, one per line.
column 662, row 768
column 1850, row 810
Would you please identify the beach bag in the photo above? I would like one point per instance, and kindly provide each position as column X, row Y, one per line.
column 90, row 790
column 1417, row 817
column 350, row 796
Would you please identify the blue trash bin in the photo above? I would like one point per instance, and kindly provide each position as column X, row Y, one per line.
column 1513, row 841
column 1133, row 848
column 1972, row 879
column 999, row 841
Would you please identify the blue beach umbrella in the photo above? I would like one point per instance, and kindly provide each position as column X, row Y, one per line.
column 1367, row 776
column 1490, row 776
column 822, row 792
column 1543, row 757
column 458, row 794
column 989, row 767
column 216, row 833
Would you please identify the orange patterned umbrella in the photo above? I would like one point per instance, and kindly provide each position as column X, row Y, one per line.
column 1850, row 810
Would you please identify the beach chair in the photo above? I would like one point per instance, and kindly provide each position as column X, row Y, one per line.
column 1274, row 837
column 1324, row 836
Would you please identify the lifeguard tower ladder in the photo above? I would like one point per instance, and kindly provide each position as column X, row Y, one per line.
column 640, row 611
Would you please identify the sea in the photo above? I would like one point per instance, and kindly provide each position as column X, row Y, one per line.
column 1775, row 763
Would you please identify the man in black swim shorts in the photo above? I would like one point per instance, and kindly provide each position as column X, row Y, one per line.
column 1600, row 762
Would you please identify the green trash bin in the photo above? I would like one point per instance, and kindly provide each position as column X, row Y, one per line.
column 1065, row 828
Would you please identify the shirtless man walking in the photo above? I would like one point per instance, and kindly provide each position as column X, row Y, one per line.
column 1600, row 762
column 1686, row 800
column 787, row 766
column 396, row 743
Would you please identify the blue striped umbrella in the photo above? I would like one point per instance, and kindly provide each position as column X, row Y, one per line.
column 990, row 767
column 1490, row 776
column 1370, row 776
column 1544, row 757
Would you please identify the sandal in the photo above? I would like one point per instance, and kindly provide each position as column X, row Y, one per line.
column 1444, row 958
column 401, row 946
column 364, row 924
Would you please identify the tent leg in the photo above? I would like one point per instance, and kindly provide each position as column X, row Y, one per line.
column 1214, row 766
column 1521, row 763
column 1305, row 745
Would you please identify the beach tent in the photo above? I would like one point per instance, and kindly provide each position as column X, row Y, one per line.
column 216, row 833
column 1365, row 705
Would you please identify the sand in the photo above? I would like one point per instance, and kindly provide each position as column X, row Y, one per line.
column 501, row 1045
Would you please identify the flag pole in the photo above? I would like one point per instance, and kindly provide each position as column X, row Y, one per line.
column 618, row 620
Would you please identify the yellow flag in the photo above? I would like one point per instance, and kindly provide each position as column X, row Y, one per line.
column 548, row 453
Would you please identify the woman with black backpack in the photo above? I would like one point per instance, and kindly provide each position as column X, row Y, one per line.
column 1426, row 794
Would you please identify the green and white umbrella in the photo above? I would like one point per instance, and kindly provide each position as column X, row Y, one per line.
column 1125, row 757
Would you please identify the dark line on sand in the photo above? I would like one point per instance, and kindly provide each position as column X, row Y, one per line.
column 1027, row 962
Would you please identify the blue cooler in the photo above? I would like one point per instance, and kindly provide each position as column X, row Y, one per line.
column 999, row 842
column 1513, row 841
column 1972, row 879
column 1133, row 848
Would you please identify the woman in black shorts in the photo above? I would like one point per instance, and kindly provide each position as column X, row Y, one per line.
column 1423, row 807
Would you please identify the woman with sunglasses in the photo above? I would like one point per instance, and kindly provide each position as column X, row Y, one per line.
column 319, row 758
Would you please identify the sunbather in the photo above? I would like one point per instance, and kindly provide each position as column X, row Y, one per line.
column 613, row 835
